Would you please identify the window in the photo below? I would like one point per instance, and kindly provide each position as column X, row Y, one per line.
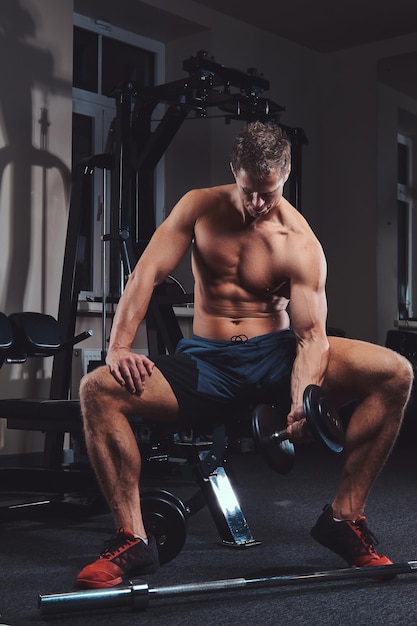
column 104, row 57
column 405, row 227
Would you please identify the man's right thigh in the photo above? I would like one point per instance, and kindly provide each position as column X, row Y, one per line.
column 157, row 402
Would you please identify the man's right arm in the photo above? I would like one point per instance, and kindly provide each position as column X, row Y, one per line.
column 308, row 320
column 163, row 253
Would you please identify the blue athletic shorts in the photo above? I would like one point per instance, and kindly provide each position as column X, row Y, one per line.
column 216, row 380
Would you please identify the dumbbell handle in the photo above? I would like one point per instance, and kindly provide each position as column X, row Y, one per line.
column 280, row 435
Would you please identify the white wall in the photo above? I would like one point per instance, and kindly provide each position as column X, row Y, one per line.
column 355, row 150
column 391, row 108
column 36, row 52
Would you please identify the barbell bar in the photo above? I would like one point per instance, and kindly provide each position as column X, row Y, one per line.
column 137, row 595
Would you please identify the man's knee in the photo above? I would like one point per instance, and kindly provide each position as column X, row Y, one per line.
column 402, row 375
column 94, row 386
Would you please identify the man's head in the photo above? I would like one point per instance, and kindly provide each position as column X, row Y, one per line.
column 261, row 148
column 261, row 165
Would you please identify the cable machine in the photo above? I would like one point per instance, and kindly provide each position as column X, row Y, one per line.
column 133, row 156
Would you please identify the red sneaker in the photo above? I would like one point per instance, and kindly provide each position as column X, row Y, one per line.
column 353, row 541
column 124, row 557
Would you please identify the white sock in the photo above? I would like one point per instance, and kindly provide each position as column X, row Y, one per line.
column 145, row 541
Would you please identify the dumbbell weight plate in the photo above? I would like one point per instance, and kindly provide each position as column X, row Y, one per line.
column 165, row 518
column 279, row 455
column 323, row 420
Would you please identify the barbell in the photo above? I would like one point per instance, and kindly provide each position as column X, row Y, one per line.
column 138, row 595
column 269, row 429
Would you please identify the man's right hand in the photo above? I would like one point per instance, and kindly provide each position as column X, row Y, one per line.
column 297, row 427
column 129, row 369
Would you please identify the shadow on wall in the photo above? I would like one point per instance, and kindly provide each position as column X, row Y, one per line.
column 24, row 67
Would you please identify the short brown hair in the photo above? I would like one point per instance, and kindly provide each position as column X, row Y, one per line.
column 261, row 147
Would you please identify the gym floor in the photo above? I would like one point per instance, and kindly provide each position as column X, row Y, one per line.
column 43, row 554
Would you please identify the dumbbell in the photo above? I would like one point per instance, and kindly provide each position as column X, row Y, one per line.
column 272, row 439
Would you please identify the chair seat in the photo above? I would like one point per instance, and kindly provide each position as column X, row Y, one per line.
column 42, row 414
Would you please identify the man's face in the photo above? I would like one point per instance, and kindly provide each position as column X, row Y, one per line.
column 260, row 196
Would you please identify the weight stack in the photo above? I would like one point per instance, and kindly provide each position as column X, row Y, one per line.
column 405, row 342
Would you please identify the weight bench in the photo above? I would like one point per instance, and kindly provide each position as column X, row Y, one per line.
column 26, row 335
column 23, row 336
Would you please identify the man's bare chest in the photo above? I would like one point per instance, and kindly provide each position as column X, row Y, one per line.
column 254, row 261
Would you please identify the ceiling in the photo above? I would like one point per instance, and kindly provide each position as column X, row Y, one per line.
column 325, row 25
column 331, row 25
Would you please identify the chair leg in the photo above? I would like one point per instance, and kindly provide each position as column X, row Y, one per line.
column 225, row 509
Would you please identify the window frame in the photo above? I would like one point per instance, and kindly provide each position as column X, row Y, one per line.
column 103, row 109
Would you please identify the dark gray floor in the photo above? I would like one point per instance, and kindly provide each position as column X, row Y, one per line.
column 43, row 555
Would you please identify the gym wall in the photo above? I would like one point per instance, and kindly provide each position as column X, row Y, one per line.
column 35, row 158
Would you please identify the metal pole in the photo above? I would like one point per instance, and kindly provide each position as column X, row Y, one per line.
column 137, row 595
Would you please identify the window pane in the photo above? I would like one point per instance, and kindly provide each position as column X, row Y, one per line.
column 403, row 260
column 85, row 60
column 403, row 163
column 123, row 62
column 82, row 137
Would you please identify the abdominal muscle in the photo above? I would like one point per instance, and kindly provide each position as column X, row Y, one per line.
column 224, row 325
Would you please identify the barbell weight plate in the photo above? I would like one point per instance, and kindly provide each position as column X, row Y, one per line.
column 168, row 495
column 278, row 454
column 323, row 420
column 165, row 518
